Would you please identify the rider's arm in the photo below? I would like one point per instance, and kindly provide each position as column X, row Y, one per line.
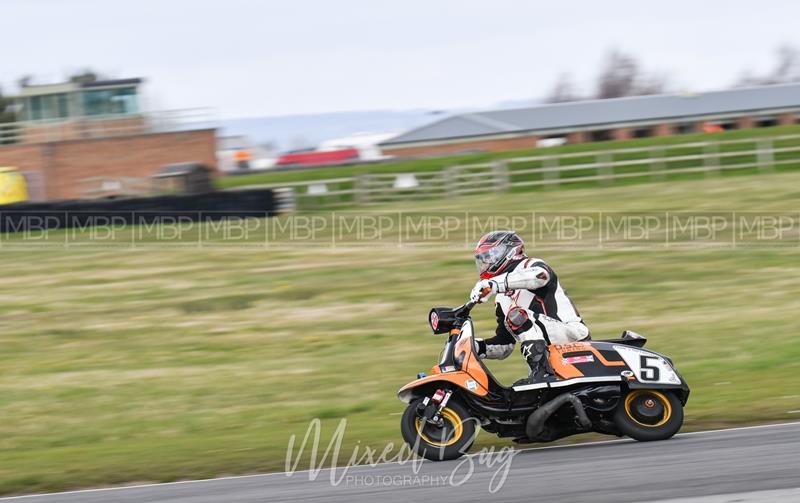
column 499, row 346
column 532, row 276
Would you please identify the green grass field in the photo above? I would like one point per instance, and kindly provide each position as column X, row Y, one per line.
column 165, row 362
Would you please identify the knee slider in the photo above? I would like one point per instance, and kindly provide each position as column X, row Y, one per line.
column 517, row 321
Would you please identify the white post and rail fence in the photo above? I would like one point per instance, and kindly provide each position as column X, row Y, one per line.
column 657, row 162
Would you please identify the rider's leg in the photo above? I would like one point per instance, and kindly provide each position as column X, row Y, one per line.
column 533, row 347
column 559, row 332
column 538, row 359
column 534, row 336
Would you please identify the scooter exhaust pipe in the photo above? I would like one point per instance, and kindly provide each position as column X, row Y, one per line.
column 535, row 423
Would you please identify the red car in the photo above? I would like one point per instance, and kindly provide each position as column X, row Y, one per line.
column 318, row 158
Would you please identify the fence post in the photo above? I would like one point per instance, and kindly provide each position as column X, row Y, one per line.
column 449, row 174
column 286, row 200
column 765, row 155
column 657, row 163
column 604, row 169
column 711, row 159
column 361, row 189
column 550, row 172
column 502, row 179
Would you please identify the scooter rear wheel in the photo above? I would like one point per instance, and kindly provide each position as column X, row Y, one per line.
column 450, row 441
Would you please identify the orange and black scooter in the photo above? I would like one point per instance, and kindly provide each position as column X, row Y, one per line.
column 612, row 386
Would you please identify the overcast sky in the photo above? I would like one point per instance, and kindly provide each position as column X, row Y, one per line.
column 265, row 57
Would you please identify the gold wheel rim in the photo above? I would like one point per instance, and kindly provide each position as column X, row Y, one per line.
column 659, row 396
column 455, row 420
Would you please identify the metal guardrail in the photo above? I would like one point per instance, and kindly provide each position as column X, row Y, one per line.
column 104, row 126
column 603, row 166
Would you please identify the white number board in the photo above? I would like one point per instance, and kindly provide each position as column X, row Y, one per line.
column 648, row 368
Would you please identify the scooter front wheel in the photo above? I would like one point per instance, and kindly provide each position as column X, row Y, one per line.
column 646, row 415
column 451, row 440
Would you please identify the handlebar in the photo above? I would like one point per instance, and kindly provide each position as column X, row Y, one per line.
column 466, row 308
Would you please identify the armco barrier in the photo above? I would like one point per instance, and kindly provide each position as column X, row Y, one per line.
column 257, row 203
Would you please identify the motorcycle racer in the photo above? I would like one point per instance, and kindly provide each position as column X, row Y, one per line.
column 531, row 306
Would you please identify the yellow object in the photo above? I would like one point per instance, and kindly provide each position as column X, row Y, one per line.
column 12, row 186
column 454, row 419
column 651, row 394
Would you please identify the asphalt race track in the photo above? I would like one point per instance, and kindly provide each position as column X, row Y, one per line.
column 753, row 464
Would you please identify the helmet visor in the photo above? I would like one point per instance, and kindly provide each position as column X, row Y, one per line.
column 490, row 260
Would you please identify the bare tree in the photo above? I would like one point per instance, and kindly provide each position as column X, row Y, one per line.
column 787, row 69
column 6, row 108
column 25, row 81
column 653, row 84
column 618, row 76
column 621, row 76
column 563, row 90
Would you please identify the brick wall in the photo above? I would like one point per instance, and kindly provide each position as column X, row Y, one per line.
column 623, row 133
column 745, row 123
column 577, row 137
column 663, row 130
column 62, row 165
column 84, row 129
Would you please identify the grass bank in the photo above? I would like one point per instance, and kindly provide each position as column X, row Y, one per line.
column 159, row 363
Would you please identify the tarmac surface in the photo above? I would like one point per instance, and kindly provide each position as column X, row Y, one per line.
column 745, row 465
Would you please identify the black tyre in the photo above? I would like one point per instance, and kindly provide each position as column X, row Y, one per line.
column 451, row 441
column 647, row 414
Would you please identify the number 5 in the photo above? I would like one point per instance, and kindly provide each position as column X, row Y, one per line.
column 649, row 372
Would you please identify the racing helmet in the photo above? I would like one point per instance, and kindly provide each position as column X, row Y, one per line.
column 496, row 250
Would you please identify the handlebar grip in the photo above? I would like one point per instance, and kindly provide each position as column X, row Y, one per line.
column 469, row 305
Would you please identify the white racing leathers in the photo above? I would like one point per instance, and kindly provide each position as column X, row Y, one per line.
column 532, row 308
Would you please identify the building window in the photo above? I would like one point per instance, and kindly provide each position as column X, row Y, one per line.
column 601, row 135
column 36, row 108
column 110, row 101
column 766, row 122
column 685, row 128
column 643, row 132
column 63, row 105
column 48, row 107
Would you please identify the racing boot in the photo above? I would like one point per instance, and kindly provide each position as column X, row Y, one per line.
column 538, row 357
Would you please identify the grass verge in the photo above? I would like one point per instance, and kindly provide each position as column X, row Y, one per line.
column 159, row 363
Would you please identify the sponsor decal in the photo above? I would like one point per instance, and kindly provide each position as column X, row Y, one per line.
column 448, row 368
column 571, row 360
column 572, row 347
column 626, row 374
column 471, row 384
column 434, row 320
